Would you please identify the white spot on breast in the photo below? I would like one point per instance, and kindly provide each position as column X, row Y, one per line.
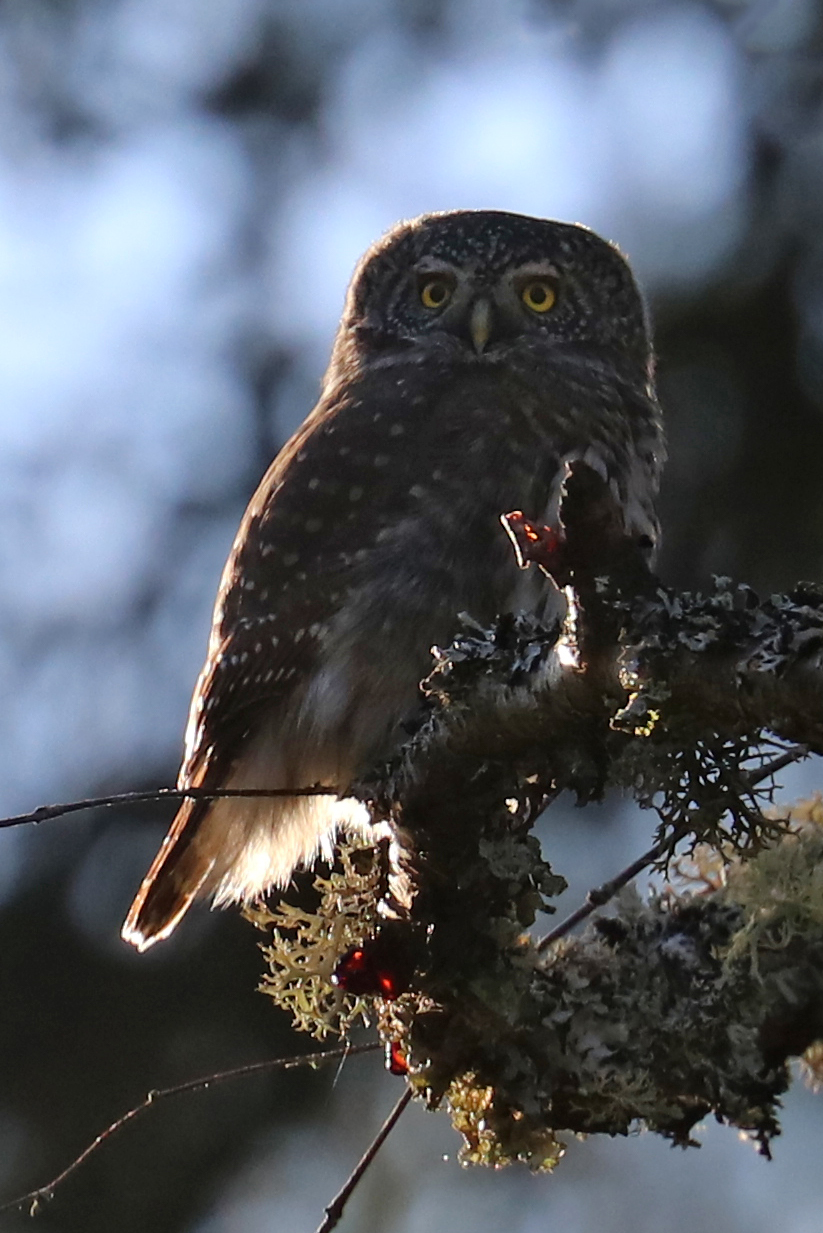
column 381, row 460
column 313, row 524
column 291, row 558
column 313, row 483
column 258, row 647
column 298, row 635
column 355, row 493
column 437, row 475
column 396, row 430
column 343, row 451
column 275, row 640
column 417, row 491
column 314, row 630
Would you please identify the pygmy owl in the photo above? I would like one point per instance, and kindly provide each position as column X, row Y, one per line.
column 478, row 353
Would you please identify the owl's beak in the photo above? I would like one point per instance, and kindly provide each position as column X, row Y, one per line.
column 480, row 324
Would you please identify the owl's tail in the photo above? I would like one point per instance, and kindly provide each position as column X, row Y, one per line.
column 177, row 874
column 234, row 851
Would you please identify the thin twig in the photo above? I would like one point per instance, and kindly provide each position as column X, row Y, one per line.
column 46, row 812
column 600, row 895
column 778, row 764
column 44, row 1193
column 335, row 1209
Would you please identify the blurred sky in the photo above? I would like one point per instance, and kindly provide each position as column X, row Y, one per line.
column 185, row 186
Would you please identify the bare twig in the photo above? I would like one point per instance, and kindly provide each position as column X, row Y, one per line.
column 778, row 764
column 335, row 1209
column 46, row 812
column 43, row 1193
column 600, row 895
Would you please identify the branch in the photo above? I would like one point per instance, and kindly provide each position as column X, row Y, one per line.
column 658, row 1013
column 599, row 896
column 662, row 1013
column 46, row 812
column 44, row 1193
column 335, row 1209
column 635, row 660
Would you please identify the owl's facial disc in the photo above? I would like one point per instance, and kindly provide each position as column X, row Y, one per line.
column 548, row 286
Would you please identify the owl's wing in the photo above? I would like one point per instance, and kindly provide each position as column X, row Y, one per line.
column 287, row 575
column 289, row 570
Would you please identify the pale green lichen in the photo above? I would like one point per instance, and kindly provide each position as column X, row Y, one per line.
column 781, row 894
column 474, row 1116
column 306, row 947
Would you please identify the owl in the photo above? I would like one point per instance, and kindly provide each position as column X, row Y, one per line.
column 479, row 352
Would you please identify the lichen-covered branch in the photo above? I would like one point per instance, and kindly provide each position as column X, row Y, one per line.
column 661, row 1012
column 658, row 1015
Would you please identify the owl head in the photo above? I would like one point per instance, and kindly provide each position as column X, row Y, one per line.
column 485, row 284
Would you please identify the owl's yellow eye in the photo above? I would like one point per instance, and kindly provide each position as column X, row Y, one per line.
column 435, row 292
column 538, row 295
